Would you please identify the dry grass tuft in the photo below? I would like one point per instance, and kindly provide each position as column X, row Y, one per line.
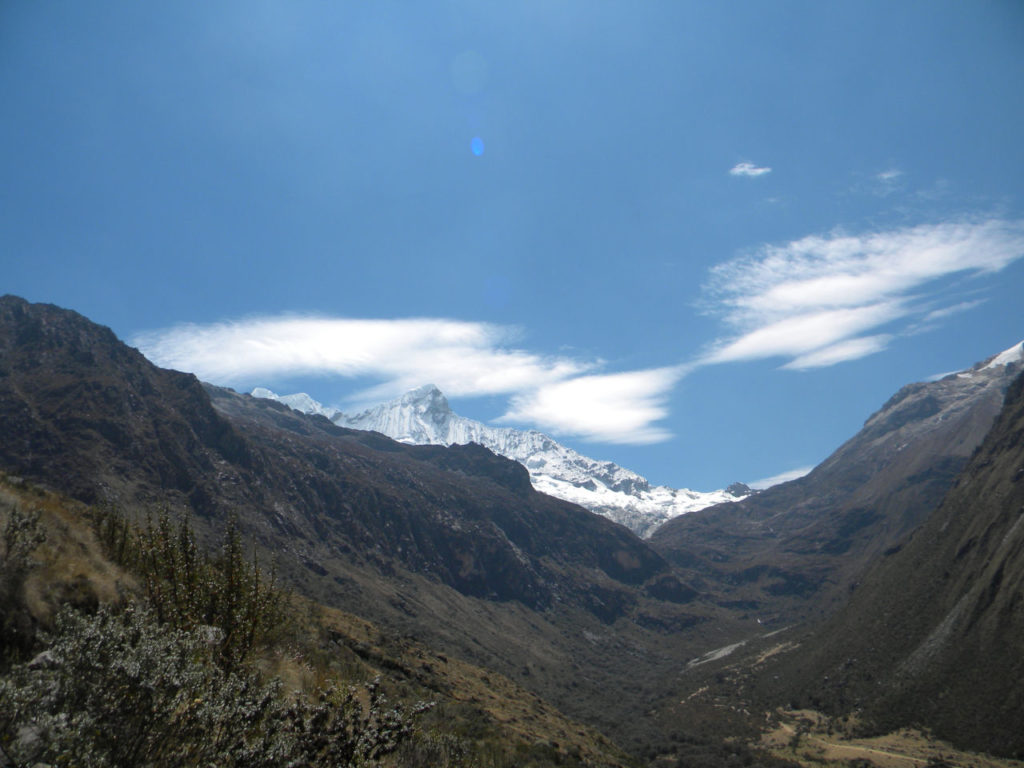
column 70, row 565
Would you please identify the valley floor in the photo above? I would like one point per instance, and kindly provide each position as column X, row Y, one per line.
column 813, row 739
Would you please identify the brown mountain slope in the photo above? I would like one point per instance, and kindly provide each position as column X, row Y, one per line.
column 71, row 567
column 81, row 410
column 451, row 546
column 794, row 550
column 935, row 634
column 93, row 417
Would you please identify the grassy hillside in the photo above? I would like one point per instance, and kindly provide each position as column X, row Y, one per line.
column 478, row 717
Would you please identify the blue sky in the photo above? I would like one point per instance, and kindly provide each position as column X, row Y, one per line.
column 705, row 241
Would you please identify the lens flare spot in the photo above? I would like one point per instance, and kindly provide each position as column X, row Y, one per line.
column 477, row 146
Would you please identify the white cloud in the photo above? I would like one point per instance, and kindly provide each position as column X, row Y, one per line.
column 956, row 309
column 815, row 302
column 613, row 408
column 822, row 300
column 782, row 477
column 889, row 176
column 851, row 349
column 462, row 358
column 748, row 169
column 804, row 333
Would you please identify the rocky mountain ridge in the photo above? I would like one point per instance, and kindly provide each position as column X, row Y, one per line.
column 100, row 422
column 934, row 633
column 423, row 416
column 796, row 548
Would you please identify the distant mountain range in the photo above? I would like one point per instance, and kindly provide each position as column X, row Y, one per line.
column 422, row 416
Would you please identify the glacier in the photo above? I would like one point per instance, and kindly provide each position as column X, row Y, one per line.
column 422, row 416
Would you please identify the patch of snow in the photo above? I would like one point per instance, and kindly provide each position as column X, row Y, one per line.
column 1014, row 354
column 298, row 402
column 715, row 655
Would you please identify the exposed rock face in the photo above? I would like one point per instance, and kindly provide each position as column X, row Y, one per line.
column 795, row 548
column 82, row 411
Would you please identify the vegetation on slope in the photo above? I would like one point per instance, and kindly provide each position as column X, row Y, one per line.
column 195, row 657
column 118, row 688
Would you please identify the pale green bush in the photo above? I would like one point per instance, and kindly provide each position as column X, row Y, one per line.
column 119, row 689
column 21, row 534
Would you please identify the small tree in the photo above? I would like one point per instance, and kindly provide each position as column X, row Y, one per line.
column 188, row 588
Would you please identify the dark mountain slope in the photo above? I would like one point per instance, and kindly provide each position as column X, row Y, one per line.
column 935, row 635
column 450, row 545
column 81, row 410
column 460, row 514
column 794, row 550
column 94, row 418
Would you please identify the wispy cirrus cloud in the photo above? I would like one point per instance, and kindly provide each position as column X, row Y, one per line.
column 948, row 311
column 749, row 169
column 814, row 302
column 782, row 477
column 632, row 404
column 850, row 349
column 804, row 333
column 887, row 182
column 823, row 300
column 560, row 394
column 463, row 358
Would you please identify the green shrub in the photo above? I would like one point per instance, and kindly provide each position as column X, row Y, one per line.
column 120, row 689
column 188, row 588
column 22, row 533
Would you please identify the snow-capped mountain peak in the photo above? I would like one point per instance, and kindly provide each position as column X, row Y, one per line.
column 422, row 416
column 1014, row 354
column 427, row 396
